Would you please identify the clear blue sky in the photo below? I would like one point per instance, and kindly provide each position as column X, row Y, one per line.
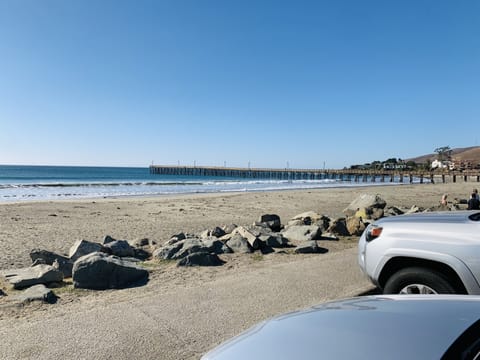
column 94, row 82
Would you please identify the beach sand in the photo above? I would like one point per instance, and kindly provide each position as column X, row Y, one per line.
column 181, row 312
column 56, row 225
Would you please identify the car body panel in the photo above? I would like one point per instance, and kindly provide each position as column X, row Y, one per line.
column 451, row 238
column 370, row 327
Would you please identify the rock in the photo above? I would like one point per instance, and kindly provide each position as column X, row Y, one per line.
column 2, row 293
column 393, row 211
column 216, row 246
column 414, row 209
column 229, row 228
column 99, row 271
column 302, row 233
column 168, row 251
column 295, row 223
column 216, row 232
column 310, row 247
column 251, row 238
column 308, row 218
column 376, row 213
column 271, row 221
column 143, row 242
column 365, row 201
column 39, row 274
column 141, row 254
column 239, row 244
column 37, row 293
column 355, row 225
column 200, row 259
column 84, row 247
column 274, row 240
column 47, row 257
column 339, row 227
column 120, row 248
column 108, row 239
column 190, row 246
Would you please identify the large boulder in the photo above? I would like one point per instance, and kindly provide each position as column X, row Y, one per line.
column 251, row 237
column 167, row 252
column 239, row 244
column 99, row 271
column 271, row 221
column 274, row 240
column 38, row 274
column 60, row 262
column 120, row 248
column 200, row 259
column 339, row 227
column 215, row 232
column 37, row 293
column 369, row 202
column 309, row 247
column 302, row 233
column 83, row 247
column 355, row 225
column 308, row 218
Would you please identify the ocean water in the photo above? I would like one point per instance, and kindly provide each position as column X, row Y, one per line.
column 24, row 183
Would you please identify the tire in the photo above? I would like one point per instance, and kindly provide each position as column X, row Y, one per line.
column 418, row 280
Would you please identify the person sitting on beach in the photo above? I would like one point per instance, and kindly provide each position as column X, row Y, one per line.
column 473, row 202
column 475, row 191
column 443, row 202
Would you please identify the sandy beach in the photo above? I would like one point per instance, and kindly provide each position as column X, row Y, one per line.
column 56, row 225
column 194, row 308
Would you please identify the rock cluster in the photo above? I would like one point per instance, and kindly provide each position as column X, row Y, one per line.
column 113, row 263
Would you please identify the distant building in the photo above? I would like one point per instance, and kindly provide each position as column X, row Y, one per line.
column 437, row 164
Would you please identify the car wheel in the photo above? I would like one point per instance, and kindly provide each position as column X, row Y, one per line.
column 417, row 280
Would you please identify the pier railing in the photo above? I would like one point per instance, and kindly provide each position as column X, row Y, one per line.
column 356, row 175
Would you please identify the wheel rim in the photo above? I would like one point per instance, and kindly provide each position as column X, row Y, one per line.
column 417, row 289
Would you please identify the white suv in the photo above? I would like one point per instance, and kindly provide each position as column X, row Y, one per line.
column 425, row 253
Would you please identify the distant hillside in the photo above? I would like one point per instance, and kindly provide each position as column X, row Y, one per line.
column 460, row 154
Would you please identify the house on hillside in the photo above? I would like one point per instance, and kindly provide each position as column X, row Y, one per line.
column 437, row 164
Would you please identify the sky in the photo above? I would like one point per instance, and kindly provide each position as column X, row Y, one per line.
column 303, row 84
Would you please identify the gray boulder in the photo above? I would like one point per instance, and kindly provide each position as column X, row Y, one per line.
column 229, row 228
column 61, row 262
column 248, row 235
column 216, row 246
column 239, row 244
column 307, row 218
column 83, row 247
column 365, row 201
column 38, row 274
column 200, row 259
column 339, row 227
column 272, row 221
column 302, row 233
column 274, row 240
column 37, row 293
column 190, row 246
column 120, row 248
column 167, row 252
column 215, row 232
column 99, row 271
column 309, row 247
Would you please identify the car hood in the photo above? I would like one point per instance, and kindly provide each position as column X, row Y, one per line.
column 433, row 217
column 372, row 327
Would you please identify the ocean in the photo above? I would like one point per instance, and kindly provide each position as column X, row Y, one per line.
column 26, row 183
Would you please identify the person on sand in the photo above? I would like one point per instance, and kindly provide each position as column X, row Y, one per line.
column 475, row 191
column 473, row 202
column 443, row 202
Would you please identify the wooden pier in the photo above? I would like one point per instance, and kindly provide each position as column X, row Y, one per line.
column 354, row 175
